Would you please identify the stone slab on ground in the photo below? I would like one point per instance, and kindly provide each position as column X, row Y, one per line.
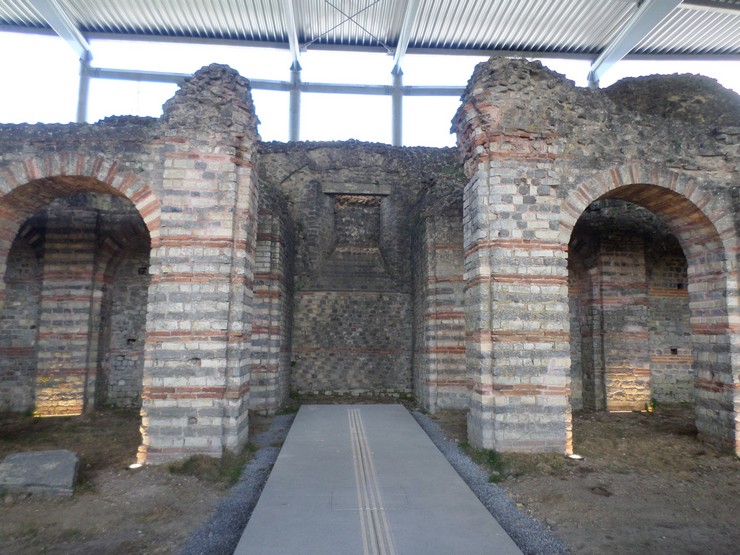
column 367, row 479
column 39, row 472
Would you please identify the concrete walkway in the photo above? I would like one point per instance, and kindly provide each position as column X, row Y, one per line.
column 366, row 479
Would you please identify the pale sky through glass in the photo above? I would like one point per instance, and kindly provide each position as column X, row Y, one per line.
column 45, row 73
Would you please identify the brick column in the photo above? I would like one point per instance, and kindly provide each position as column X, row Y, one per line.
column 623, row 365
column 69, row 314
column 273, row 293
column 516, row 278
column 199, row 321
column 440, row 380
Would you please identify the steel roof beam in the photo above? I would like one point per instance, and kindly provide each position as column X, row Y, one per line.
column 291, row 27
column 648, row 15
column 284, row 86
column 63, row 26
column 711, row 6
column 404, row 33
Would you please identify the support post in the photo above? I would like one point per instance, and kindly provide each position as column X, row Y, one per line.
column 397, row 99
column 84, row 88
column 294, row 133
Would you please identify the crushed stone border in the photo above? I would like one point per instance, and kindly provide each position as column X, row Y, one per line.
column 221, row 534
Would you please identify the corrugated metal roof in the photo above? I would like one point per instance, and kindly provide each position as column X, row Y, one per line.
column 547, row 26
column 693, row 31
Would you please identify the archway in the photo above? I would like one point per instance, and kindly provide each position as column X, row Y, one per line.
column 629, row 311
column 74, row 254
column 712, row 285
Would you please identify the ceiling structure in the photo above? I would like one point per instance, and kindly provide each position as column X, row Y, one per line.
column 602, row 31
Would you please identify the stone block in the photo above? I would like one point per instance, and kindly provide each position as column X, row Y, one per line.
column 40, row 473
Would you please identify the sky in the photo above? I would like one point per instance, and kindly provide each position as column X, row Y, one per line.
column 45, row 74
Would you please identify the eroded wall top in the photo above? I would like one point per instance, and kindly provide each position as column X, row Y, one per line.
column 681, row 122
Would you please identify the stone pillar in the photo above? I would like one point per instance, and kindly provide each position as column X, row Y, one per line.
column 69, row 315
column 440, row 380
column 273, row 305
column 516, row 301
column 199, row 321
column 624, row 322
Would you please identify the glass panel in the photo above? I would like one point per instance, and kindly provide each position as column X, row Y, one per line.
column 41, row 79
column 436, row 70
column 178, row 57
column 272, row 111
column 426, row 120
column 111, row 97
column 337, row 117
column 346, row 67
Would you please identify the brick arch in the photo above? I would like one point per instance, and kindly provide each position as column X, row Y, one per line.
column 25, row 188
column 28, row 185
column 61, row 173
column 704, row 226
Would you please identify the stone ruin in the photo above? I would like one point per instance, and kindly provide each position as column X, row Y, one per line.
column 578, row 250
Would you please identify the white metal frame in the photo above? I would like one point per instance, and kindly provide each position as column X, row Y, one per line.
column 648, row 14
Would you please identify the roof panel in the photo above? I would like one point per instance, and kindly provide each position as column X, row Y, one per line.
column 547, row 26
column 692, row 31
column 20, row 13
column 524, row 25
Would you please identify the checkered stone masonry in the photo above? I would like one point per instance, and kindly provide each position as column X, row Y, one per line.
column 273, row 304
column 196, row 374
column 440, row 378
column 369, row 313
column 537, row 152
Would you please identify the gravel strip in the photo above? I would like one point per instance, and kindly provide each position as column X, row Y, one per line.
column 222, row 532
column 529, row 534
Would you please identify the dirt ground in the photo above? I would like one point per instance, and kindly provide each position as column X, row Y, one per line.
column 646, row 485
column 114, row 510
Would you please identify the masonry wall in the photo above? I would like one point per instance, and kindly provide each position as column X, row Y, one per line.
column 272, row 327
column 189, row 176
column 367, row 240
column 123, row 359
column 19, row 321
column 440, row 378
column 671, row 355
column 60, row 286
column 352, row 327
column 538, row 152
column 352, row 203
column 630, row 327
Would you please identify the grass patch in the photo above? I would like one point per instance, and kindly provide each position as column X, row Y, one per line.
column 502, row 466
column 491, row 461
column 223, row 472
